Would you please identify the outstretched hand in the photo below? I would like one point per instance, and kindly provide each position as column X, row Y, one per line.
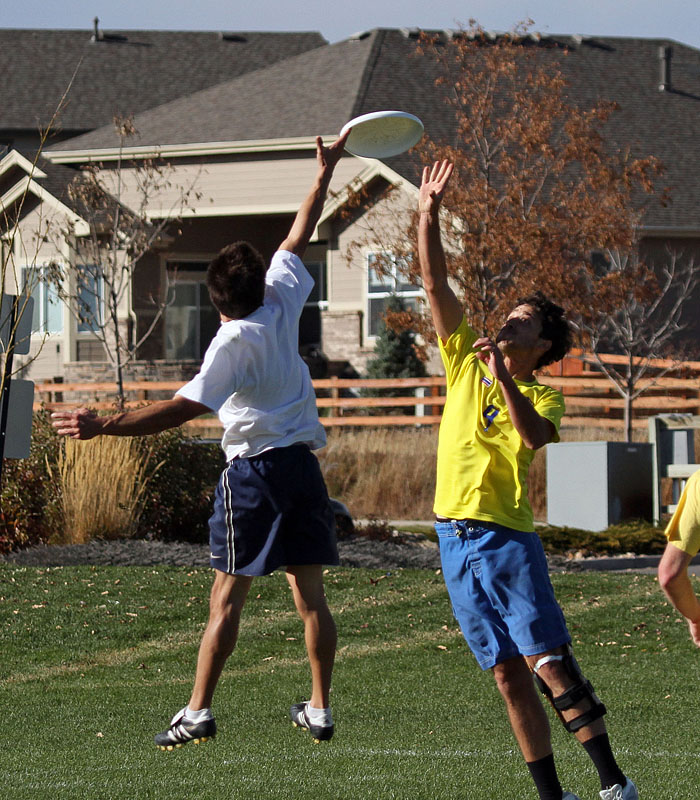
column 328, row 157
column 433, row 184
column 78, row 424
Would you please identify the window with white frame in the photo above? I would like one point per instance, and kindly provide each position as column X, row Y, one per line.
column 384, row 283
column 47, row 316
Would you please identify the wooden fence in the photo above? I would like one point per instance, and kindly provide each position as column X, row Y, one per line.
column 591, row 399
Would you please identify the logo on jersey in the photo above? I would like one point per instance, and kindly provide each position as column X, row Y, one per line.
column 486, row 381
column 490, row 413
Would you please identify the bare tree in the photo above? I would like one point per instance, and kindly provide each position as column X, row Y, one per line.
column 97, row 284
column 642, row 317
column 20, row 279
column 24, row 279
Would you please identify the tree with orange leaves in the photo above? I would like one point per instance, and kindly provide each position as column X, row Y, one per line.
column 537, row 187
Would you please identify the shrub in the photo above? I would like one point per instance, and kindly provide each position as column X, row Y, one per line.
column 395, row 356
column 634, row 536
column 175, row 503
column 29, row 504
column 178, row 499
column 380, row 530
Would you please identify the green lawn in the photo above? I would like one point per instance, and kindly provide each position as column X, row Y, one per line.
column 96, row 660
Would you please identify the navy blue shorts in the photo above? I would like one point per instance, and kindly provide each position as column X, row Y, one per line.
column 272, row 510
column 500, row 590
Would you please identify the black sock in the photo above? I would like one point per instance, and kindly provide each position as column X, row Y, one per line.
column 544, row 774
column 598, row 748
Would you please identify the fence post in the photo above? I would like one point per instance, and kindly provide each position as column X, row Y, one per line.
column 435, row 392
column 335, row 394
column 421, row 391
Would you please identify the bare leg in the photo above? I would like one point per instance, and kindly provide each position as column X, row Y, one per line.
column 228, row 596
column 526, row 713
column 320, row 633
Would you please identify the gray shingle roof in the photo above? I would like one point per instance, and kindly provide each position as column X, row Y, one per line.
column 315, row 92
column 127, row 73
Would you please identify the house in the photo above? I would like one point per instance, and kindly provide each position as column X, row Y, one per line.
column 250, row 143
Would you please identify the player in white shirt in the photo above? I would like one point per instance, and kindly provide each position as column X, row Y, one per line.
column 271, row 508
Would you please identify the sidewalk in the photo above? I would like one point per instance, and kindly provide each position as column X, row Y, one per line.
column 644, row 564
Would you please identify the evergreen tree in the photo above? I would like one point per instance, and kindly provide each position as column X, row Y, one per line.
column 395, row 356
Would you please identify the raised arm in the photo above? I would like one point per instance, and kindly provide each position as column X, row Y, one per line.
column 85, row 424
column 310, row 210
column 444, row 305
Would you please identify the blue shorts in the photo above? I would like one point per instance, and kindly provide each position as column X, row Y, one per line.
column 272, row 510
column 500, row 590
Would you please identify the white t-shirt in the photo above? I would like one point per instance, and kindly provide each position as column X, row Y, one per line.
column 253, row 375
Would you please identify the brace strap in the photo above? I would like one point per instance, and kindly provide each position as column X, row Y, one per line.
column 545, row 660
column 581, row 690
column 594, row 713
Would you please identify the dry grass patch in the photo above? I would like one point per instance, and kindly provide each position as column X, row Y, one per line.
column 382, row 472
column 102, row 484
column 389, row 473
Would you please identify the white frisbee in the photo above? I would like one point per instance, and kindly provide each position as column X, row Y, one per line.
column 381, row 134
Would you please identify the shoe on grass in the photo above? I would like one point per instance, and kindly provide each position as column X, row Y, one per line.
column 616, row 792
column 570, row 796
column 300, row 719
column 181, row 732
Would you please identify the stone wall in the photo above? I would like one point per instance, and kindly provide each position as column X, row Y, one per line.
column 342, row 338
column 102, row 372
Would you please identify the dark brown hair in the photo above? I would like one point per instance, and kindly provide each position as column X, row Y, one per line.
column 555, row 327
column 236, row 280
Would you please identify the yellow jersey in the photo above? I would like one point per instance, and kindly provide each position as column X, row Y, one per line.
column 482, row 463
column 683, row 529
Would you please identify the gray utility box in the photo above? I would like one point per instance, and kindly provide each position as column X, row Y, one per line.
column 592, row 485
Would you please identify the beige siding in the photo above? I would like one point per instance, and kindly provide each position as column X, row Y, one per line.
column 348, row 281
column 37, row 244
column 236, row 187
column 45, row 360
column 370, row 232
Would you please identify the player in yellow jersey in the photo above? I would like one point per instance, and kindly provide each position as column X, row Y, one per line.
column 683, row 534
column 496, row 415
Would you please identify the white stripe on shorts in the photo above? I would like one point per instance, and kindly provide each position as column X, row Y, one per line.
column 230, row 542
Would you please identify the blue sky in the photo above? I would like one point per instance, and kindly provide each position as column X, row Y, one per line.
column 674, row 19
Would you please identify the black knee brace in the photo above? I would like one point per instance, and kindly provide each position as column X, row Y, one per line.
column 581, row 689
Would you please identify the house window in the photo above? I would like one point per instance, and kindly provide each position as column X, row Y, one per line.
column 310, row 322
column 380, row 287
column 47, row 316
column 191, row 321
column 89, row 298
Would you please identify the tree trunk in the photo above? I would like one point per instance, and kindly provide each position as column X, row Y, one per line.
column 119, row 380
column 628, row 417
